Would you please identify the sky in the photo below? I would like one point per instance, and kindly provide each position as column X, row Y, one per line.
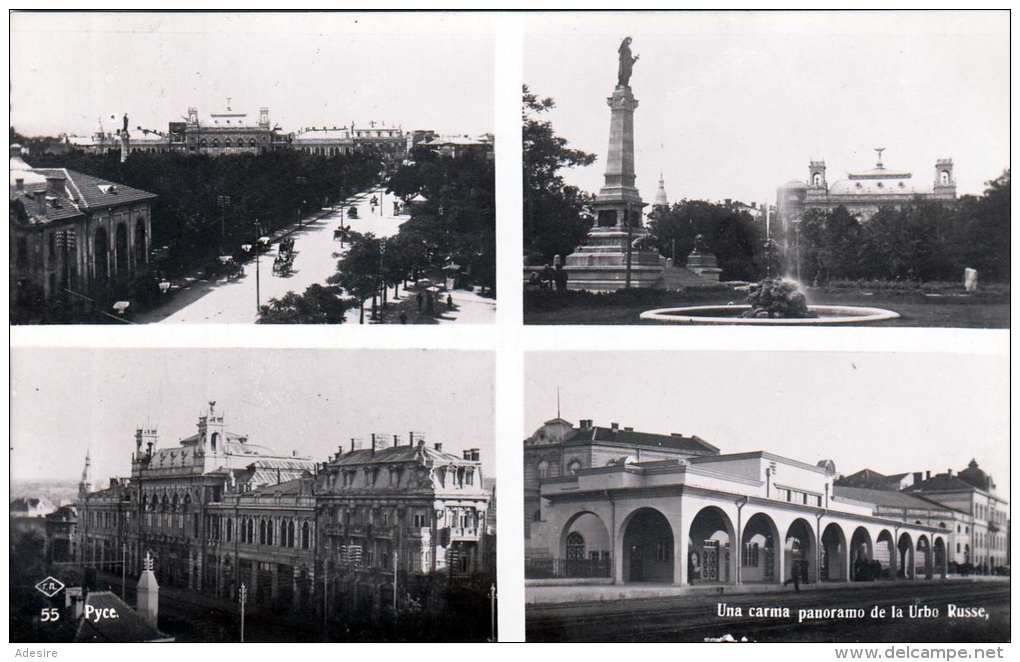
column 311, row 69
column 67, row 401
column 891, row 412
column 734, row 104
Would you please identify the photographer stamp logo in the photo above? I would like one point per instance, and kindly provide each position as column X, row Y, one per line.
column 50, row 586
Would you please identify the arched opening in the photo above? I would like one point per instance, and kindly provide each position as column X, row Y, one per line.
column 585, row 547
column 141, row 253
column 885, row 554
column 940, row 557
column 758, row 560
column 905, row 558
column 306, row 538
column 834, row 554
column 710, row 554
column 214, row 441
column 574, row 467
column 944, row 178
column 863, row 566
column 799, row 552
column 647, row 547
column 543, row 469
column 101, row 256
column 923, row 561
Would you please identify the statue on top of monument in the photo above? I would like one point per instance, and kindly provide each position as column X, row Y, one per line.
column 626, row 63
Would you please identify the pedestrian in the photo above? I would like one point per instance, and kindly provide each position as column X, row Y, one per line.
column 449, row 302
column 794, row 576
column 403, row 317
column 419, row 301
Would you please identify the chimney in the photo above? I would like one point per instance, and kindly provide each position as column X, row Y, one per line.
column 927, row 475
column 148, row 594
column 466, row 454
column 615, row 426
column 421, row 443
column 396, row 440
column 19, row 184
column 373, row 443
column 476, row 455
column 438, row 446
column 353, row 445
column 55, row 185
column 949, row 472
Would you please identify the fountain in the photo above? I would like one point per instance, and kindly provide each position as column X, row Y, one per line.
column 772, row 301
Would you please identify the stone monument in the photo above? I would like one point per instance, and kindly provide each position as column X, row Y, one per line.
column 702, row 262
column 613, row 255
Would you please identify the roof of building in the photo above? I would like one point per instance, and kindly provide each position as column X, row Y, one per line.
column 888, row 498
column 794, row 184
column 287, row 487
column 599, row 434
column 976, row 477
column 871, row 479
column 943, row 483
column 393, row 454
column 127, row 627
column 313, row 134
column 877, row 186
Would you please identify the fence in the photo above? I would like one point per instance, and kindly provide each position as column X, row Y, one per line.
column 556, row 568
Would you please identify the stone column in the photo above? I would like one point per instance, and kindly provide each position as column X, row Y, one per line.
column 620, row 157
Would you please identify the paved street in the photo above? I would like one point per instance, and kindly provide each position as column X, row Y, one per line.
column 315, row 260
column 695, row 617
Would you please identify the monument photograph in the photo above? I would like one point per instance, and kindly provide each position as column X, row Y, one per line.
column 287, row 168
column 810, row 497
column 895, row 209
column 242, row 495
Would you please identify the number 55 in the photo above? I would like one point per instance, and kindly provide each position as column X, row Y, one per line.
column 50, row 614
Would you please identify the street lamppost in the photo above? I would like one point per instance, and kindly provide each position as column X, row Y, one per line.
column 255, row 247
column 492, row 612
column 242, row 596
column 223, row 201
column 301, row 180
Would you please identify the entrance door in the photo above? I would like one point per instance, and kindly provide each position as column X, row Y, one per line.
column 710, row 561
column 636, row 564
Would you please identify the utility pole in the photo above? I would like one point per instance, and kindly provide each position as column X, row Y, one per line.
column 258, row 303
column 243, row 597
column 123, row 570
column 394, row 585
column 492, row 613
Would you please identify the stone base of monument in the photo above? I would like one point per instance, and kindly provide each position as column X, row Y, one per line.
column 705, row 265
column 601, row 264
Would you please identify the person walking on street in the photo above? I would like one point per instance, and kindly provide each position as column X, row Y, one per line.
column 419, row 301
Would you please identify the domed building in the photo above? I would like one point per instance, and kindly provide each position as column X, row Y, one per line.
column 863, row 192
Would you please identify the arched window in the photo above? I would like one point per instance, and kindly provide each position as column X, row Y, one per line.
column 251, row 142
column 543, row 469
column 227, row 143
column 262, row 532
column 214, row 440
column 230, row 530
column 575, row 546
column 574, row 466
column 305, row 536
column 944, row 177
column 216, row 142
column 817, row 180
column 290, row 533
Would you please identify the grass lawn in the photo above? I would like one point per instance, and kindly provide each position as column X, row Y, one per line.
column 916, row 309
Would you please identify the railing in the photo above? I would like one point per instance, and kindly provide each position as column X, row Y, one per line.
column 556, row 568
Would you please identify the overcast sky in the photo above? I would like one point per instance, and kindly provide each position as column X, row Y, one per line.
column 887, row 412
column 420, row 71
column 733, row 104
column 64, row 401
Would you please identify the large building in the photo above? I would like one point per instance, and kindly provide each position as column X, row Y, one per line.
column 73, row 233
column 863, row 192
column 227, row 131
column 621, row 506
column 217, row 510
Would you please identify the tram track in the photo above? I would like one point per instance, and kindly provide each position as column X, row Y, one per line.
column 678, row 619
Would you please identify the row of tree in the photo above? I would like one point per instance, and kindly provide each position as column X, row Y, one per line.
column 921, row 241
column 452, row 220
column 210, row 206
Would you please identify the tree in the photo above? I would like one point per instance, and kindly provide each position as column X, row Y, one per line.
column 729, row 232
column 359, row 271
column 555, row 216
column 318, row 305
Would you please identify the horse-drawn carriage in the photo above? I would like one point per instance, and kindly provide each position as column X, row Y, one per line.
column 223, row 266
column 284, row 262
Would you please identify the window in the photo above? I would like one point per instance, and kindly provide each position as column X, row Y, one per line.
column 305, row 536
column 230, row 530
column 574, row 466
column 662, row 551
column 419, row 521
column 543, row 469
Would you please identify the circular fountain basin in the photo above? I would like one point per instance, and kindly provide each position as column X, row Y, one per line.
column 731, row 314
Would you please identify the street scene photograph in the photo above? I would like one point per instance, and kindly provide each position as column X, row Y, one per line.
column 767, row 168
column 239, row 495
column 271, row 168
column 728, row 496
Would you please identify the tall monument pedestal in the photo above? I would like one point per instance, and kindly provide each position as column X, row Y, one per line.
column 602, row 262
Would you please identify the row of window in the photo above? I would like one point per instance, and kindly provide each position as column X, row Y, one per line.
column 286, row 532
column 796, row 496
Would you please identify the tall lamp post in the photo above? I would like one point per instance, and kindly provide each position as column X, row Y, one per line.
column 301, row 180
column 223, row 201
column 258, row 298
column 242, row 596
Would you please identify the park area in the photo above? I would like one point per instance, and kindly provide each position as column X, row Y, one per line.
column 935, row 305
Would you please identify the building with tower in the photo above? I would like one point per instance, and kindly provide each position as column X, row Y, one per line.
column 217, row 510
column 863, row 192
column 227, row 131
